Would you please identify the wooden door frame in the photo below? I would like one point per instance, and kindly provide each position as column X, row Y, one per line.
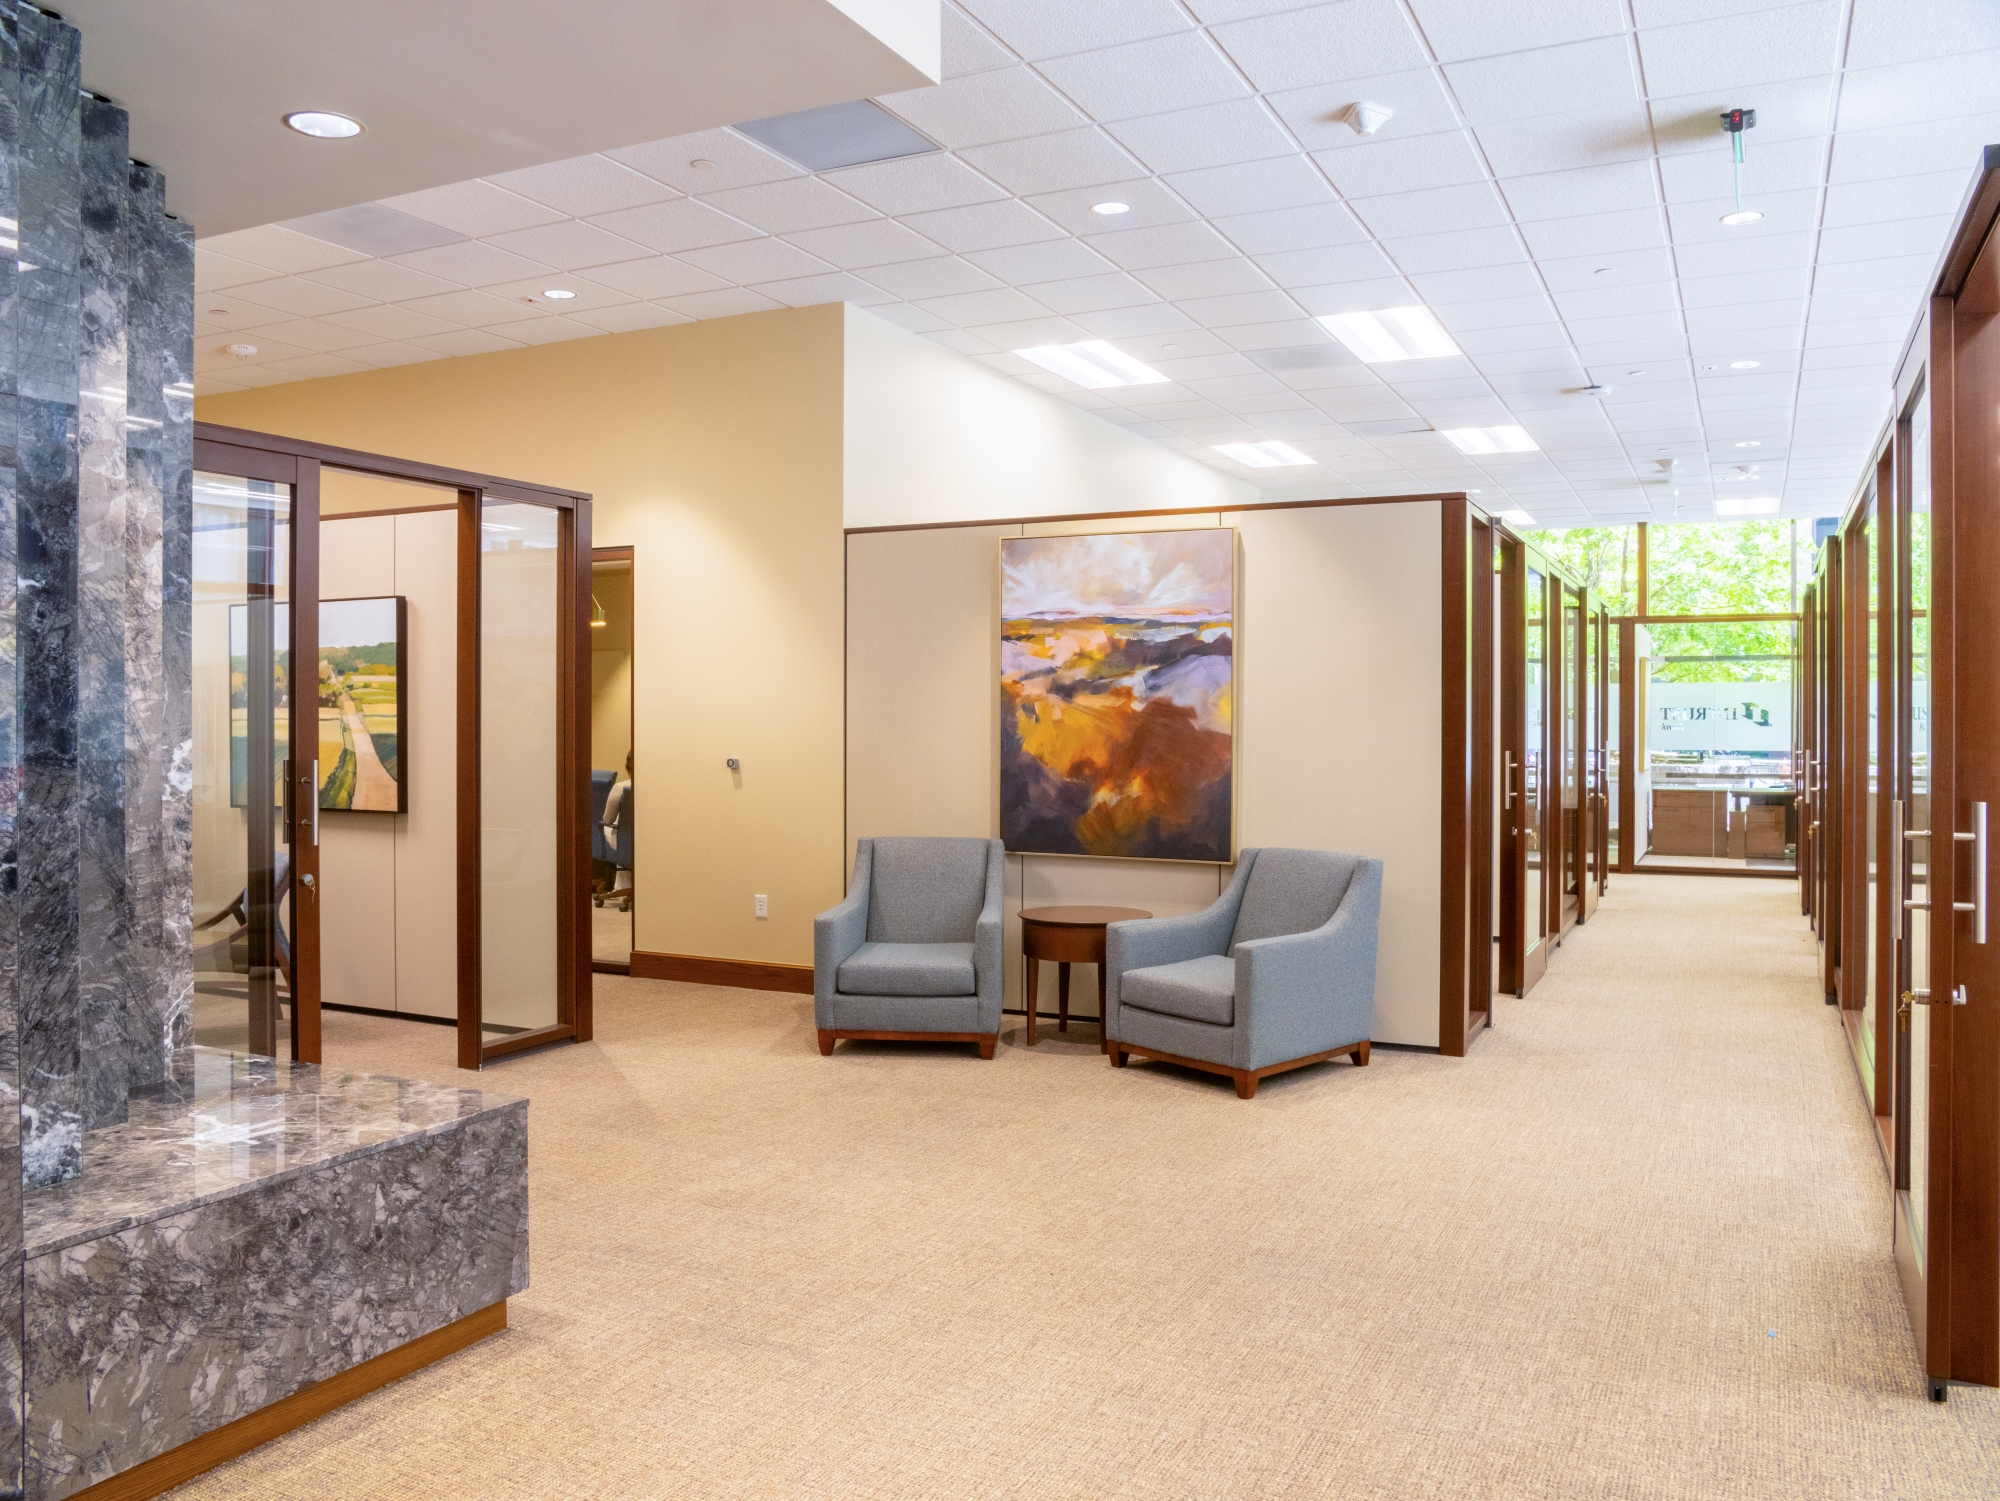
column 573, row 979
column 624, row 555
column 216, row 455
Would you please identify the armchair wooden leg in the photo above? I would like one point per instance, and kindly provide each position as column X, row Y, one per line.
column 986, row 1046
column 1360, row 1056
column 825, row 1044
column 1246, row 1085
column 1117, row 1053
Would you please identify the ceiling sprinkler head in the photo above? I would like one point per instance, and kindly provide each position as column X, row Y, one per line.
column 1592, row 390
column 1368, row 118
column 241, row 351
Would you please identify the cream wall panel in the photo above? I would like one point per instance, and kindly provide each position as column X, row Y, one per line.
column 932, row 436
column 427, row 835
column 1341, row 733
column 714, row 449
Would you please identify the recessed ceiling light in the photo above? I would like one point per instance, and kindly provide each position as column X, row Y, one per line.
column 1093, row 365
column 1742, row 216
column 1516, row 517
column 1263, row 455
column 1484, row 440
column 1397, row 333
column 1744, row 364
column 559, row 294
column 1750, row 443
column 1111, row 206
column 323, row 125
column 1747, row 505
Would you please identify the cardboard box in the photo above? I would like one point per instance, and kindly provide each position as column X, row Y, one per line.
column 1765, row 828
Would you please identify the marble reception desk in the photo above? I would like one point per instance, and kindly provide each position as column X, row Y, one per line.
column 276, row 1225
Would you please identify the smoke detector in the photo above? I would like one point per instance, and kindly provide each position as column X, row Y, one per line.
column 241, row 351
column 1368, row 118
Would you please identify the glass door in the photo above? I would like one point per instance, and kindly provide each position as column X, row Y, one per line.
column 256, row 910
column 1911, row 916
column 1573, row 828
column 1524, row 694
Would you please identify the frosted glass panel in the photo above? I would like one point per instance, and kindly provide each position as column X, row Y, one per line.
column 519, row 639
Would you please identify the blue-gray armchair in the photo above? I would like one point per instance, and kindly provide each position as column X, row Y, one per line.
column 1279, row 973
column 914, row 951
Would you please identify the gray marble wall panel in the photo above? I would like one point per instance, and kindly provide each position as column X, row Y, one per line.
column 46, row 327
column 105, row 969
column 10, row 1098
column 171, row 309
column 142, row 1339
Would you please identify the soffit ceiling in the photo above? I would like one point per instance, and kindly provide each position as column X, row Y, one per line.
column 1550, row 185
column 208, row 81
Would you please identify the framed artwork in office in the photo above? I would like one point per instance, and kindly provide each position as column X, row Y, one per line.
column 273, row 621
column 1117, row 694
column 361, row 686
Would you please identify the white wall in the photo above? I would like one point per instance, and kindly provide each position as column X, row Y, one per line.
column 932, row 436
column 1339, row 735
column 388, row 914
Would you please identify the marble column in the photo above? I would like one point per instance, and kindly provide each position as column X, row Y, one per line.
column 11, row 1266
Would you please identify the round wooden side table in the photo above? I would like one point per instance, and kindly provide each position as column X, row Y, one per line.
column 1068, row 935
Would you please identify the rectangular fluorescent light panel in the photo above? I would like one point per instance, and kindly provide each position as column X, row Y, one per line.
column 1263, row 455
column 1484, row 440
column 1517, row 518
column 1397, row 333
column 1093, row 365
column 1747, row 505
column 838, row 135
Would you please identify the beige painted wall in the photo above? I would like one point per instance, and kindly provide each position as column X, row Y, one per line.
column 388, row 908
column 933, row 436
column 1339, row 732
column 714, row 449
column 611, row 670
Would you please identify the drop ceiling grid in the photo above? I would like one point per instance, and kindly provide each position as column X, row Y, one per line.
column 1487, row 196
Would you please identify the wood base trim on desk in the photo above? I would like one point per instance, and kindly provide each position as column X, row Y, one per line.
column 161, row 1473
column 1247, row 1079
column 742, row 974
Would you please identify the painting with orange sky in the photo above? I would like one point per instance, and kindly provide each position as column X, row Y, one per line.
column 1117, row 683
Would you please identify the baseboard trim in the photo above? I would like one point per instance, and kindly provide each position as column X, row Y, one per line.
column 743, row 974
column 161, row 1473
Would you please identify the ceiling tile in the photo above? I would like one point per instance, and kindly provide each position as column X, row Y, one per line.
column 681, row 225
column 1937, row 89
column 1793, row 41
column 906, row 315
column 1905, row 274
column 727, row 303
column 318, row 367
column 1925, row 146
column 937, row 276
column 1052, row 163
column 473, row 208
column 1784, row 214
column 796, row 203
column 916, row 183
column 1771, row 166
column 1725, row 257
column 999, row 305
column 1319, row 268
column 1498, row 312
column 313, row 334
column 1147, row 201
column 392, row 322
column 833, row 286
column 1897, row 31
column 967, row 47
column 1579, row 76
column 1478, row 284
column 1603, row 302
column 1788, row 284
column 1147, row 78
column 1090, row 294
column 1628, row 229
column 1167, row 245
column 585, row 185
column 1456, row 251
column 589, row 294
column 473, row 309
column 1318, row 115
column 1249, row 187
column 213, row 272
column 857, row 246
column 1584, row 190
column 999, row 106
column 1459, row 29
column 754, row 261
column 1919, row 196
column 1216, row 135
column 570, row 246
column 1924, row 236
column 1397, row 166
column 1571, row 139
column 1029, row 332
column 1039, row 30
column 1794, row 109
column 1309, row 228
column 734, row 161
column 467, row 341
column 274, row 247
column 1240, row 308
column 471, row 263
column 550, row 330
column 985, row 226
column 1323, row 44
column 1471, row 205
column 382, row 281
column 1287, row 333
column 656, row 276
column 1737, row 325
column 624, row 319
column 1206, row 279
column 1051, row 260
column 299, row 297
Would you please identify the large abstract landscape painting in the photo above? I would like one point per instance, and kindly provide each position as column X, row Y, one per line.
column 1117, row 681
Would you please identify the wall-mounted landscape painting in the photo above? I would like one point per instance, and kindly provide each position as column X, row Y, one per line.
column 361, row 704
column 1117, row 684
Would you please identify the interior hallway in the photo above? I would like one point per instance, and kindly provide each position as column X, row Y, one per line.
column 1546, row 1270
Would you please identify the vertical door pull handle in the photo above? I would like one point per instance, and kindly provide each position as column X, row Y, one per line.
column 1894, row 854
column 315, row 802
column 1507, row 779
column 1977, row 839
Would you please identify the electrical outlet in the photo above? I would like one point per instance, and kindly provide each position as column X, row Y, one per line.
column 763, row 905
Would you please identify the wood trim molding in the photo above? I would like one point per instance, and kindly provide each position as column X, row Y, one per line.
column 740, row 974
column 1455, row 875
column 1247, row 1079
column 468, row 779
column 446, row 505
column 1251, row 505
column 375, row 463
column 163, row 1472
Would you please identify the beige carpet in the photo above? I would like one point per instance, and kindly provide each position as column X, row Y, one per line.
column 1635, row 1246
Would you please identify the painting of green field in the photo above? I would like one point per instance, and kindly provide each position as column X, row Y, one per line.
column 361, row 705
